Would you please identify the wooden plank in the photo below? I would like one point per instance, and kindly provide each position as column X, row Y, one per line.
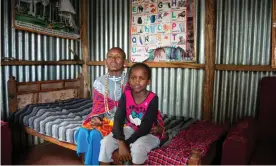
column 26, row 88
column 84, row 47
column 70, row 84
column 273, row 39
column 45, row 90
column 45, row 82
column 209, row 50
column 157, row 64
column 195, row 158
column 50, row 139
column 95, row 63
column 49, row 86
column 174, row 65
column 245, row 67
column 26, row 63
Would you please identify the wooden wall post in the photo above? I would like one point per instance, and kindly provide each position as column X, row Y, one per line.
column 12, row 94
column 81, row 89
column 84, row 45
column 273, row 39
column 209, row 49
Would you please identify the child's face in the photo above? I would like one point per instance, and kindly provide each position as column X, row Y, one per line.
column 115, row 60
column 138, row 79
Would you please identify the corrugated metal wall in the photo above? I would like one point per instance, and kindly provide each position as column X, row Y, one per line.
column 243, row 38
column 24, row 45
column 180, row 90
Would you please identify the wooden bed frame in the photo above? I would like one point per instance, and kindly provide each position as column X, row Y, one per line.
column 35, row 92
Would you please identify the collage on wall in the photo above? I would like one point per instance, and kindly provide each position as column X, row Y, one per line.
column 49, row 17
column 162, row 30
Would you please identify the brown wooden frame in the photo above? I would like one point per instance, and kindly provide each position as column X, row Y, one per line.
column 16, row 89
column 209, row 68
column 157, row 64
column 34, row 31
column 27, row 63
column 273, row 39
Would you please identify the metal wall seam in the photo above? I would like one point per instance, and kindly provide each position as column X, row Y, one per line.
column 110, row 27
column 242, row 34
column 236, row 94
column 179, row 90
column 113, row 30
column 23, row 45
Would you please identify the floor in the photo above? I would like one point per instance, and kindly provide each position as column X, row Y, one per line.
column 48, row 154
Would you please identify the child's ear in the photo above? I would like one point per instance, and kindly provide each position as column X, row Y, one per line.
column 105, row 63
column 149, row 82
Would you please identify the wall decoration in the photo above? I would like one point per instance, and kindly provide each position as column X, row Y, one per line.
column 273, row 43
column 162, row 30
column 49, row 17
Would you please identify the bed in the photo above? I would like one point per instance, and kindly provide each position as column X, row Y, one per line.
column 54, row 110
column 24, row 96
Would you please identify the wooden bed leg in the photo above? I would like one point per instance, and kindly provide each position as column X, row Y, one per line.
column 195, row 158
column 12, row 95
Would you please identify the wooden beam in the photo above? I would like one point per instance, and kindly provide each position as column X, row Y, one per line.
column 95, row 63
column 45, row 90
column 27, row 63
column 84, row 45
column 174, row 65
column 46, row 82
column 273, row 41
column 157, row 64
column 245, row 67
column 50, row 139
column 209, row 50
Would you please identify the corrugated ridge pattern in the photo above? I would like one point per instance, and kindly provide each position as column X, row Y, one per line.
column 23, row 45
column 243, row 37
column 109, row 27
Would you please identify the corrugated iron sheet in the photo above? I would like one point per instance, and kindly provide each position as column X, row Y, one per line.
column 109, row 27
column 180, row 90
column 243, row 32
column 23, row 45
column 236, row 94
column 243, row 37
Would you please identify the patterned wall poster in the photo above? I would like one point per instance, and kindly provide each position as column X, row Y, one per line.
column 49, row 17
column 162, row 30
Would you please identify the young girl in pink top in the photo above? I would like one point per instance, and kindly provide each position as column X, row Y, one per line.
column 136, row 114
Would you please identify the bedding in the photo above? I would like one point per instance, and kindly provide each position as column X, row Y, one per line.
column 199, row 136
column 61, row 119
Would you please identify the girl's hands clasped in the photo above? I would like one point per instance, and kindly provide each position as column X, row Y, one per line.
column 124, row 152
column 95, row 121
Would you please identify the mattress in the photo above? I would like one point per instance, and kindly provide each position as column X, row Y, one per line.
column 61, row 120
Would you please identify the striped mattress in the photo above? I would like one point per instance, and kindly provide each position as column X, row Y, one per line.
column 61, row 120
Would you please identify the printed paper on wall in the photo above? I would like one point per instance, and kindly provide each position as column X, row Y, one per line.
column 162, row 30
